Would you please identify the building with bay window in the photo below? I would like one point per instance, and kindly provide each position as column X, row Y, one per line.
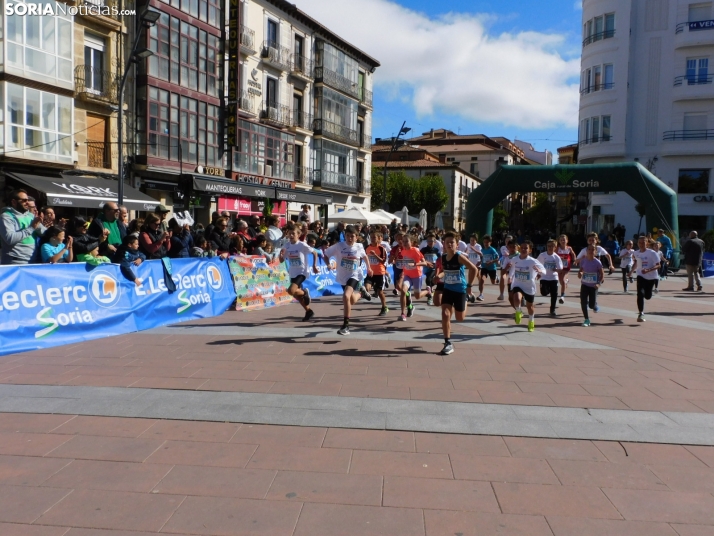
column 305, row 106
column 646, row 96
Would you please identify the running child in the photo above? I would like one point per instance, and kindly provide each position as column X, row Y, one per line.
column 627, row 254
column 377, row 255
column 646, row 265
column 522, row 274
column 410, row 261
column 475, row 255
column 431, row 254
column 294, row 254
column 553, row 266
column 510, row 253
column 394, row 253
column 349, row 255
column 456, row 286
column 600, row 251
column 567, row 256
column 655, row 246
column 591, row 275
column 489, row 265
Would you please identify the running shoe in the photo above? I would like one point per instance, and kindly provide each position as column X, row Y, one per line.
column 447, row 349
column 688, row 289
column 586, row 324
column 501, row 297
column 384, row 311
column 363, row 292
column 308, row 315
column 409, row 299
column 656, row 291
column 699, row 288
column 498, row 280
column 306, row 297
column 531, row 325
column 596, row 309
column 430, row 301
column 553, row 313
column 472, row 298
column 344, row 330
column 640, row 317
column 517, row 316
column 403, row 317
column 394, row 291
column 410, row 311
column 632, row 280
column 561, row 300
column 480, row 297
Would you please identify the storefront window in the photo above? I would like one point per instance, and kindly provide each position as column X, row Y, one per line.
column 38, row 124
column 693, row 181
column 264, row 151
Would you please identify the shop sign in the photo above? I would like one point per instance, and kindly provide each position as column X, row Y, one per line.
column 704, row 198
column 234, row 204
column 215, row 171
column 233, row 71
column 701, row 25
column 265, row 181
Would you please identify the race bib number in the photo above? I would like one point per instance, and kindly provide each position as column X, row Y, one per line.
column 550, row 266
column 295, row 261
column 565, row 259
column 430, row 257
column 404, row 264
column 487, row 257
column 645, row 263
column 373, row 259
column 590, row 277
column 523, row 276
column 349, row 263
column 452, row 277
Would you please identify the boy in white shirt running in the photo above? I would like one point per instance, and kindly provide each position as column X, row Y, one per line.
column 646, row 264
column 475, row 254
column 522, row 273
column 510, row 253
column 294, row 253
column 627, row 254
column 349, row 256
column 553, row 266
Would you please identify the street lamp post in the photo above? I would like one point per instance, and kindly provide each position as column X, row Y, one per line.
column 404, row 130
column 148, row 19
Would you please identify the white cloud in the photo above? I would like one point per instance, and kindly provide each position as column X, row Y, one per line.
column 452, row 65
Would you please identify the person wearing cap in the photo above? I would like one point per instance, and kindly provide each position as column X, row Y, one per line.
column 161, row 211
column 82, row 241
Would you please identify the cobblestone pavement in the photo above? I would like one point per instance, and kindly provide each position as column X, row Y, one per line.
column 68, row 469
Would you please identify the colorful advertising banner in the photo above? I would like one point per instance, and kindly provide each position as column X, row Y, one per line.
column 259, row 284
column 325, row 282
column 49, row 305
column 708, row 265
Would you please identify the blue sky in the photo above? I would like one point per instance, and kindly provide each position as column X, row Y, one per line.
column 499, row 68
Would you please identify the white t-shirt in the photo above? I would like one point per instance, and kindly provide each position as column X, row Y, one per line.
column 504, row 251
column 348, row 260
column 551, row 263
column 462, row 246
column 437, row 244
column 626, row 256
column 601, row 252
column 295, row 257
column 647, row 260
column 523, row 273
column 474, row 254
column 506, row 260
column 386, row 246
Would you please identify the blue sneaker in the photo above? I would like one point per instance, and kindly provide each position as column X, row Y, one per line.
column 596, row 309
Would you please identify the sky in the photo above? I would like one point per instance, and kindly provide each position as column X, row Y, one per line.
column 494, row 67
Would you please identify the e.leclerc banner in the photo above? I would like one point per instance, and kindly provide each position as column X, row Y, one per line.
column 43, row 306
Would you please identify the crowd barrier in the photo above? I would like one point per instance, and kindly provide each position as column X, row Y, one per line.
column 49, row 305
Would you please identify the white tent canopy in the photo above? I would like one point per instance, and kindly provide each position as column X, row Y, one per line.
column 439, row 221
column 358, row 215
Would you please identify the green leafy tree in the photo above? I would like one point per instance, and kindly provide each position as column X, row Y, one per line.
column 540, row 215
column 401, row 190
column 708, row 238
column 500, row 218
column 430, row 195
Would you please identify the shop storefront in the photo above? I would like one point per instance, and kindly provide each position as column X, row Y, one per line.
column 245, row 207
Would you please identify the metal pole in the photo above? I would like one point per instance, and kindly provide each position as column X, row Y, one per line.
column 385, row 205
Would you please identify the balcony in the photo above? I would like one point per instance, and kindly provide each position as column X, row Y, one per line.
column 274, row 114
column 98, row 155
column 302, row 67
column 698, row 143
column 693, row 33
column 597, row 87
column 365, row 142
column 684, row 135
column 247, row 40
column 365, row 97
column 336, row 181
column 607, row 34
column 337, row 81
column 335, row 132
column 95, row 84
column 693, row 80
column 275, row 55
column 246, row 104
column 303, row 175
column 692, row 87
column 301, row 121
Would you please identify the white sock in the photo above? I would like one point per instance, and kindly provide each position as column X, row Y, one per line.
column 531, row 318
column 519, row 309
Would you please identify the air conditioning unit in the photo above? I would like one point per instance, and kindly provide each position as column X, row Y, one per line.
column 261, row 169
column 268, row 171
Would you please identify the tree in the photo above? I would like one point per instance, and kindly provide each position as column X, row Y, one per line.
column 400, row 190
column 430, row 195
column 500, row 218
column 641, row 209
column 540, row 214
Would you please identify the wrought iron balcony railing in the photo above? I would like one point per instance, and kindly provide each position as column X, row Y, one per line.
column 693, row 80
column 607, row 34
column 365, row 97
column 336, row 181
column 247, row 38
column 301, row 66
column 98, row 154
column 365, row 142
column 337, row 81
column 597, row 87
column 595, row 139
column 335, row 132
column 275, row 114
column 246, row 102
column 694, row 25
column 276, row 55
column 683, row 135
column 301, row 120
column 303, row 175
column 96, row 84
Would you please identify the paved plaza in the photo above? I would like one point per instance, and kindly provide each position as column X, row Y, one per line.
column 256, row 423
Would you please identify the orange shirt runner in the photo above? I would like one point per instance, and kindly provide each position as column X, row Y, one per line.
column 377, row 256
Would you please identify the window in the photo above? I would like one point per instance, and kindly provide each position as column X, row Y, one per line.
column 337, row 61
column 598, row 28
column 474, row 168
column 605, row 128
column 41, row 45
column 695, row 121
column 698, row 71
column 595, row 126
column 609, row 75
column 700, row 12
column 264, row 151
column 38, row 124
column 335, row 108
column 207, row 11
column 181, row 129
column 185, row 56
column 595, row 129
column 693, row 181
column 93, row 63
column 271, row 92
column 272, row 33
